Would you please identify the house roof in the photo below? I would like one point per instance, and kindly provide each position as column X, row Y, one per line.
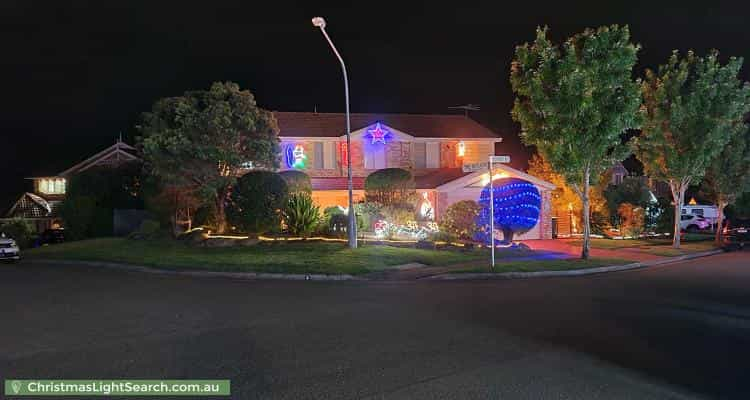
column 310, row 124
column 118, row 152
column 438, row 177
column 337, row 183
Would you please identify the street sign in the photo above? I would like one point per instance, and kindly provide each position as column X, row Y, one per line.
column 500, row 160
column 472, row 167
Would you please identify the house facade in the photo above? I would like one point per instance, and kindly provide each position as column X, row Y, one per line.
column 434, row 148
column 40, row 206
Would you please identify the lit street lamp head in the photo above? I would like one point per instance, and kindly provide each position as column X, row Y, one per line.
column 319, row 22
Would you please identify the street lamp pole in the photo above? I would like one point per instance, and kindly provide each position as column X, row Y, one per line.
column 352, row 231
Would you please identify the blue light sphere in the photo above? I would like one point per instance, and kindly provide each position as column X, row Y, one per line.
column 517, row 206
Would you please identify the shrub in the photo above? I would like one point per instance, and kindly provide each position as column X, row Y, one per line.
column 390, row 186
column 460, row 219
column 256, row 202
column 18, row 230
column 149, row 229
column 301, row 215
column 297, row 181
column 78, row 213
column 205, row 216
column 442, row 236
column 398, row 214
column 367, row 213
column 632, row 218
column 338, row 224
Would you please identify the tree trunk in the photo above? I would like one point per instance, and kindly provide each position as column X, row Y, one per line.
column 221, row 218
column 508, row 235
column 586, row 216
column 720, row 222
column 678, row 195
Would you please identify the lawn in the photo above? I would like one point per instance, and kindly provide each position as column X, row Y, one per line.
column 313, row 257
column 659, row 247
column 546, row 265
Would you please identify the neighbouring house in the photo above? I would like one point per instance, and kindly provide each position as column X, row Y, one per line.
column 39, row 207
column 433, row 147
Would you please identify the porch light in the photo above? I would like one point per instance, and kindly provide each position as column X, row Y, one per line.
column 486, row 177
column 461, row 149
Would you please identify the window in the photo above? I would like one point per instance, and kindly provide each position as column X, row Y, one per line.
column 375, row 156
column 697, row 211
column 420, row 154
column 52, row 186
column 433, row 155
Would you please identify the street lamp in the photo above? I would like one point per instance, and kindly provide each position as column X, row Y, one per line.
column 321, row 23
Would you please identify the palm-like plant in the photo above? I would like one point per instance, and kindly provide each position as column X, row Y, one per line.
column 301, row 215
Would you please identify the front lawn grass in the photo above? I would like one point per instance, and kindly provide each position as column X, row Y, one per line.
column 294, row 258
column 545, row 265
column 658, row 247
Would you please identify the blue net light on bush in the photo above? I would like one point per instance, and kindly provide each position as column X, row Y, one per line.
column 517, row 205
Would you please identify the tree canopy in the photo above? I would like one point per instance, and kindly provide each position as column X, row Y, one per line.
column 204, row 138
column 728, row 176
column 693, row 107
column 575, row 102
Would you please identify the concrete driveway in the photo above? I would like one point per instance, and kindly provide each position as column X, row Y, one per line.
column 678, row 331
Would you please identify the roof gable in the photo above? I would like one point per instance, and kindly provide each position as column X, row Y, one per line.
column 475, row 179
column 115, row 154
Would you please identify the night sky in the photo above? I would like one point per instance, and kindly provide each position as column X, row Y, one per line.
column 77, row 73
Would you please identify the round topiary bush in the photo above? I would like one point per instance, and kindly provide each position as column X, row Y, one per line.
column 517, row 207
column 390, row 186
column 256, row 202
column 297, row 181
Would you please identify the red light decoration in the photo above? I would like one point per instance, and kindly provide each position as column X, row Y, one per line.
column 344, row 153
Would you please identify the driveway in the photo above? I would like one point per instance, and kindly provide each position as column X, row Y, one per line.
column 677, row 331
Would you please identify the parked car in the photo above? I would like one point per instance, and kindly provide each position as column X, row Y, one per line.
column 737, row 238
column 693, row 223
column 52, row 236
column 709, row 212
column 9, row 250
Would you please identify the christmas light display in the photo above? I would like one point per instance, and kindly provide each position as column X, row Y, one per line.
column 295, row 156
column 378, row 134
column 461, row 149
column 517, row 205
column 425, row 209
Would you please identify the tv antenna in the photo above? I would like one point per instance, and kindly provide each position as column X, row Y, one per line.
column 466, row 108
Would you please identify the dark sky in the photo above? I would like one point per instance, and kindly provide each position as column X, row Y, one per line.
column 76, row 73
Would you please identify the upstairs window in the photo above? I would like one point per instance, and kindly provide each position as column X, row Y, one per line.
column 52, row 186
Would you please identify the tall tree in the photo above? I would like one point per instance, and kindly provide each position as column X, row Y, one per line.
column 574, row 103
column 693, row 106
column 728, row 176
column 203, row 139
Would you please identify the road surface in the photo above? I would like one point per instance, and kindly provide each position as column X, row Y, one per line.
column 677, row 331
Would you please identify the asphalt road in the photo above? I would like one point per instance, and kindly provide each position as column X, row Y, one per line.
column 678, row 331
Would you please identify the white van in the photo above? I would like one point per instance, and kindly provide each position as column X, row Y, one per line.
column 710, row 213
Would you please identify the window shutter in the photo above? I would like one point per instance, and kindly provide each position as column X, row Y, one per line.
column 318, row 157
column 329, row 161
column 433, row 155
column 419, row 155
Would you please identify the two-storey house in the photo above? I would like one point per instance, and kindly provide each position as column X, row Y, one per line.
column 433, row 147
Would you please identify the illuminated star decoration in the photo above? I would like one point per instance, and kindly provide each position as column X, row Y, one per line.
column 378, row 134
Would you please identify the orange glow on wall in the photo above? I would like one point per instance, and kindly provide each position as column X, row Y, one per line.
column 461, row 149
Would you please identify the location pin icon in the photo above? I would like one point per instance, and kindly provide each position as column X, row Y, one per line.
column 16, row 385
